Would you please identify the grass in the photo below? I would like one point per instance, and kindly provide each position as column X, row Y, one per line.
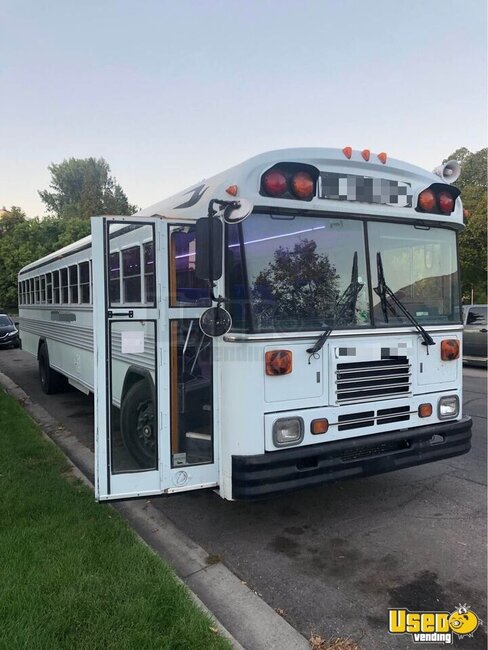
column 72, row 573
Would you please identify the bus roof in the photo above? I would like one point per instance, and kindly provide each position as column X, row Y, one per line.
column 192, row 203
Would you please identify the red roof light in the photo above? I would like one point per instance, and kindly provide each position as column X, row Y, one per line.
column 274, row 182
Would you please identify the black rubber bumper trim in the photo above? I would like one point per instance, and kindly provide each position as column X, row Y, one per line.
column 281, row 471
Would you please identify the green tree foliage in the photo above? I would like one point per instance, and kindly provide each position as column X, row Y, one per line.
column 472, row 241
column 82, row 188
column 298, row 283
column 10, row 219
column 28, row 240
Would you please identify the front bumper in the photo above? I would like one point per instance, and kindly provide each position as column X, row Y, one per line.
column 11, row 340
column 276, row 472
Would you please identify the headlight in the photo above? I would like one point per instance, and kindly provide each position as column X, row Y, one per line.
column 448, row 407
column 287, row 431
column 12, row 333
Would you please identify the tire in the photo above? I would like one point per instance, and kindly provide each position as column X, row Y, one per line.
column 138, row 424
column 51, row 380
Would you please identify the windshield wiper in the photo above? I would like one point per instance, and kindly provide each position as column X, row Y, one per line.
column 384, row 292
column 346, row 302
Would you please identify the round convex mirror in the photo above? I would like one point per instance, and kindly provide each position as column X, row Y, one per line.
column 215, row 321
column 239, row 212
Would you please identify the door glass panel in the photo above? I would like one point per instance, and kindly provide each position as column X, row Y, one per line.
column 185, row 288
column 133, row 381
column 191, row 394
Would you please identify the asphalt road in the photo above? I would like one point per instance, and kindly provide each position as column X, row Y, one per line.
column 336, row 558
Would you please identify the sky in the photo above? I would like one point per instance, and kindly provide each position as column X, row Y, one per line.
column 172, row 92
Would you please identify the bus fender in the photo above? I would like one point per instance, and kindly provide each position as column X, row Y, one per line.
column 135, row 374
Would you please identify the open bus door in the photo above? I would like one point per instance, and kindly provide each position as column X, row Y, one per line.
column 153, row 366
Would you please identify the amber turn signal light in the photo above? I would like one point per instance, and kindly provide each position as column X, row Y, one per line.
column 232, row 190
column 449, row 349
column 319, row 426
column 278, row 362
column 425, row 410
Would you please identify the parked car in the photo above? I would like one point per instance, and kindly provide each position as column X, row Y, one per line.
column 475, row 333
column 9, row 334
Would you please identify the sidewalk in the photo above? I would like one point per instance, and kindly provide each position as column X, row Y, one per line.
column 244, row 618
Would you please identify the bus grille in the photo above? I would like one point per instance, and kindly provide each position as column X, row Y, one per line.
column 364, row 381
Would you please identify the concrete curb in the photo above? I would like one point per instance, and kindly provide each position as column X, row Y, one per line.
column 241, row 615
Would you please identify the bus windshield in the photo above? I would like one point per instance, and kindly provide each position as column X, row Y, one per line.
column 289, row 272
column 292, row 270
column 420, row 267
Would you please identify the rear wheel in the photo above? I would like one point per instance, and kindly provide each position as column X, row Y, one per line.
column 51, row 380
column 138, row 424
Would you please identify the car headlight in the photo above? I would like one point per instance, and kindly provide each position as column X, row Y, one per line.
column 12, row 333
column 448, row 407
column 287, row 431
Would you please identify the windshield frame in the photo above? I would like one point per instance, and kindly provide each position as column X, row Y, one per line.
column 249, row 320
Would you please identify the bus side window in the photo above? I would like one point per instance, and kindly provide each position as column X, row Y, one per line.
column 19, row 293
column 185, row 288
column 31, row 291
column 84, row 282
column 149, row 281
column 49, row 288
column 114, row 277
column 56, row 287
column 73, row 284
column 37, row 299
column 131, row 274
column 42, row 284
column 64, row 286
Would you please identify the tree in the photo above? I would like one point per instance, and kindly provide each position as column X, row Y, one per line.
column 29, row 240
column 82, row 188
column 298, row 284
column 10, row 218
column 472, row 241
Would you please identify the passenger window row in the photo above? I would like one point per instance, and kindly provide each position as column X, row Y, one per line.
column 71, row 285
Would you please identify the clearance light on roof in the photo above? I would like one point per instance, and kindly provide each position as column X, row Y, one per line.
column 382, row 157
column 347, row 151
column 365, row 153
column 232, row 190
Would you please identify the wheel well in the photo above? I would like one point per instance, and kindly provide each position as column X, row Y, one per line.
column 135, row 374
column 42, row 343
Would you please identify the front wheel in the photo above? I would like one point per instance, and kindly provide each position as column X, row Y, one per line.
column 138, row 424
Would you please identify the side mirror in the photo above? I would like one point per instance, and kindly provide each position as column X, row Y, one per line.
column 209, row 237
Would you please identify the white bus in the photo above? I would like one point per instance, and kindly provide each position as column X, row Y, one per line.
column 292, row 321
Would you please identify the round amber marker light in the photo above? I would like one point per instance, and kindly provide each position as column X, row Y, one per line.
column 319, row 426
column 449, row 349
column 425, row 410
